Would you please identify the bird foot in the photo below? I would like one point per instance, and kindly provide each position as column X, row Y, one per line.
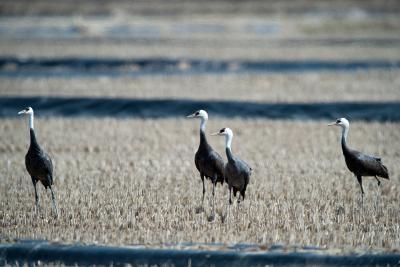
column 199, row 209
column 37, row 209
column 211, row 218
column 56, row 214
column 223, row 218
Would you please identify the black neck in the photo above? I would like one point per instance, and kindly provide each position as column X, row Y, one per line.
column 229, row 154
column 34, row 144
column 203, row 139
column 344, row 145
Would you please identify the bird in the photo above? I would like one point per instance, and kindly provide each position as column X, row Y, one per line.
column 358, row 163
column 237, row 172
column 38, row 163
column 208, row 162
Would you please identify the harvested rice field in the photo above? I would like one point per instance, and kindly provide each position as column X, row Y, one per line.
column 139, row 185
column 111, row 84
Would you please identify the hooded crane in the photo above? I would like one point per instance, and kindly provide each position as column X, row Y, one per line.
column 357, row 162
column 208, row 162
column 38, row 163
column 237, row 172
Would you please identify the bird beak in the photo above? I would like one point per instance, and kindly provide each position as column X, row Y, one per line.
column 332, row 124
column 216, row 133
column 190, row 116
column 21, row 112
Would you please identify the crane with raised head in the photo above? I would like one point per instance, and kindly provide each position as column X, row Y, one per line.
column 358, row 163
column 38, row 163
column 237, row 172
column 208, row 162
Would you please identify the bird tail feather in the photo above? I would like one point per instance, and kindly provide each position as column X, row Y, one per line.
column 384, row 172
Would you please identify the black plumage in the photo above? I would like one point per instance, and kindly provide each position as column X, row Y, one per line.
column 208, row 162
column 237, row 172
column 358, row 163
column 38, row 163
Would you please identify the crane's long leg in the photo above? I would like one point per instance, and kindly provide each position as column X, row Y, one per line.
column 379, row 182
column 201, row 207
column 230, row 195
column 230, row 203
column 54, row 201
column 34, row 181
column 359, row 179
column 204, row 189
column 213, row 196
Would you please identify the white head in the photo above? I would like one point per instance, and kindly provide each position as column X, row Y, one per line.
column 202, row 114
column 28, row 111
column 342, row 122
column 228, row 135
column 199, row 114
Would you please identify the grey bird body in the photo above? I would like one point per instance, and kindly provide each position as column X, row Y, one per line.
column 237, row 174
column 358, row 163
column 364, row 165
column 236, row 171
column 38, row 163
column 208, row 162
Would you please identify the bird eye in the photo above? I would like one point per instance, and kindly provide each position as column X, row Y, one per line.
column 197, row 113
column 222, row 130
column 338, row 121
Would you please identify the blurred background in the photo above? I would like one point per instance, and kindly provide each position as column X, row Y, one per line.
column 262, row 51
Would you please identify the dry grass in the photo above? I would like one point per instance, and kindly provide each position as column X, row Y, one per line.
column 303, row 87
column 134, row 181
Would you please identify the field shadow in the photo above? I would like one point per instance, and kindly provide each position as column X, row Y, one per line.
column 88, row 67
column 166, row 108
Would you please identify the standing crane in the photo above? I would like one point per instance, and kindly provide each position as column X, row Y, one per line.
column 237, row 172
column 358, row 163
column 208, row 162
column 38, row 163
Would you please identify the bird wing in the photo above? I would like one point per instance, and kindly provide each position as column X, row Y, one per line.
column 246, row 171
column 210, row 163
column 237, row 173
column 218, row 161
column 371, row 165
column 47, row 166
column 39, row 165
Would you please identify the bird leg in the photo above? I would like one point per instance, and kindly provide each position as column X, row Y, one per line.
column 204, row 189
column 211, row 218
column 34, row 181
column 230, row 195
column 359, row 179
column 54, row 201
column 379, row 182
column 213, row 195
column 229, row 205
column 200, row 208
